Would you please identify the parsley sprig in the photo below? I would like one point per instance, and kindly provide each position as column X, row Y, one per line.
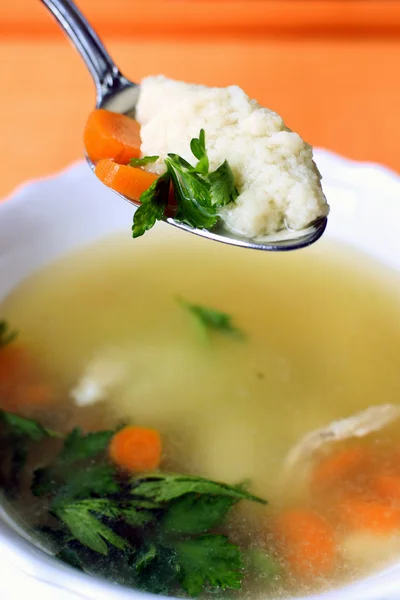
column 16, row 434
column 199, row 193
column 142, row 162
column 154, row 531
column 153, row 203
column 208, row 318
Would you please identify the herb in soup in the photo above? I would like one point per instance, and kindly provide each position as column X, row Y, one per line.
column 16, row 433
column 101, row 505
column 211, row 319
column 17, row 426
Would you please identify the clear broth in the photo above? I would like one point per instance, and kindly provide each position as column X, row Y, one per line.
column 322, row 331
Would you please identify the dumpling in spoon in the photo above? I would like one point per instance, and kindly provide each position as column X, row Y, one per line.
column 276, row 178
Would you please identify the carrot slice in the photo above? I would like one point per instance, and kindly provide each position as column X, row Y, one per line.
column 334, row 469
column 387, row 487
column 136, row 449
column 129, row 181
column 111, row 135
column 307, row 542
column 375, row 516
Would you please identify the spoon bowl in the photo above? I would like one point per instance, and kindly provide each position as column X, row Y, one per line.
column 116, row 93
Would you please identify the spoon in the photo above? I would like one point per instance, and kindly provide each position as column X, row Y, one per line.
column 115, row 92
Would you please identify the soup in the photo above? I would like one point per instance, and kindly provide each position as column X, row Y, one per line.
column 229, row 359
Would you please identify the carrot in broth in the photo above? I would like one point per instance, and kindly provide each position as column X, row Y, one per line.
column 369, row 515
column 387, row 487
column 338, row 466
column 136, row 449
column 307, row 542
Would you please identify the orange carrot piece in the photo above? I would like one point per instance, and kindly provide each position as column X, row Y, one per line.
column 387, row 487
column 129, row 181
column 111, row 135
column 307, row 542
column 369, row 515
column 334, row 469
column 136, row 449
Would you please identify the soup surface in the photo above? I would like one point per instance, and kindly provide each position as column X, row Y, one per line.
column 109, row 327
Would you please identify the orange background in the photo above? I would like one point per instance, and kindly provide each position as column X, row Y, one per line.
column 330, row 67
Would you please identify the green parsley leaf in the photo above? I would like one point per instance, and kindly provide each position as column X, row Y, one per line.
column 19, row 431
column 63, row 477
column 20, row 426
column 152, row 206
column 210, row 318
column 6, row 336
column 44, row 481
column 94, row 479
column 222, row 186
column 80, row 446
column 209, row 559
column 193, row 514
column 192, row 194
column 163, row 487
column 129, row 511
column 86, row 527
column 198, row 148
column 158, row 569
column 82, row 483
column 145, row 556
column 198, row 193
column 141, row 162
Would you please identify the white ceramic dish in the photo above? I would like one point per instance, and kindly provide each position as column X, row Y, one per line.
column 47, row 218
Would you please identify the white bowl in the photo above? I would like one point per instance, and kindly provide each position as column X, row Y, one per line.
column 47, row 218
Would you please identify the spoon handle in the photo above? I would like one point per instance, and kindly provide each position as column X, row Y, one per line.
column 105, row 73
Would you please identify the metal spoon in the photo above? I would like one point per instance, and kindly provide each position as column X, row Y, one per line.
column 116, row 93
